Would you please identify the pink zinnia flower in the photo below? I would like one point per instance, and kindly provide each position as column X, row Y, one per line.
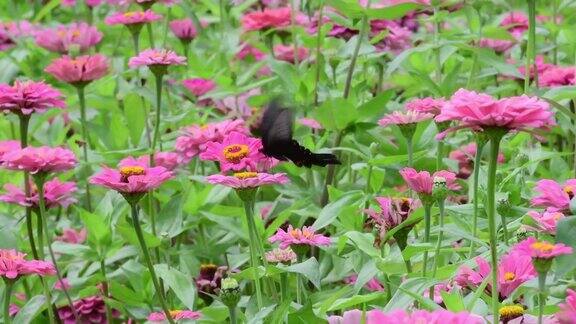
column 13, row 265
column 438, row 289
column 248, row 50
column 267, row 18
column 72, row 236
column 296, row 236
column 90, row 310
column 567, row 313
column 132, row 18
column 426, row 105
column 554, row 195
column 286, row 53
column 155, row 57
column 465, row 156
column 26, row 97
column 423, row 183
column 237, row 105
column 310, row 122
column 175, row 314
column 6, row 41
column 184, row 29
column 56, row 193
column 168, row 160
column 541, row 66
column 8, row 146
column 89, row 3
column 393, row 211
column 199, row 86
column 236, row 152
column 541, row 249
column 546, row 222
column 64, row 38
column 515, row 22
column 498, row 45
column 557, row 76
column 441, row 315
column 281, row 256
column 132, row 179
column 243, row 180
column 404, row 118
column 372, row 285
column 42, row 159
column 397, row 40
column 79, row 70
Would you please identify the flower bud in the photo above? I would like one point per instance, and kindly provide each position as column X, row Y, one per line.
column 503, row 207
column 440, row 189
column 230, row 292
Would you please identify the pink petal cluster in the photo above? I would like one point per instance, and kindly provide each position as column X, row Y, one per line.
column 63, row 38
column 438, row 289
column 423, row 183
column 287, row 53
column 151, row 57
column 297, row 236
column 515, row 22
column 310, row 123
column 178, row 315
column 26, row 97
column 281, row 256
column 397, row 39
column 404, row 118
column 72, row 236
column 541, row 66
column 90, row 310
column 132, row 18
column 541, row 249
column 237, row 105
column 247, row 50
column 13, row 265
column 42, row 159
column 376, row 316
column 465, row 156
column 236, row 152
column 56, row 194
column 194, row 138
column 6, row 41
column 479, row 111
column 199, row 86
column 184, row 29
column 553, row 195
column 498, row 45
column 168, row 160
column 16, row 29
column 89, row 3
column 546, row 222
column 393, row 211
column 8, row 146
column 132, row 179
column 372, row 285
column 243, row 180
column 79, row 70
column 557, row 76
column 266, row 19
column 567, row 313
column 426, row 105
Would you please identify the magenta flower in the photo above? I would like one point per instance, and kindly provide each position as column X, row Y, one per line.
column 554, row 195
column 295, row 236
column 199, row 86
column 24, row 98
column 177, row 315
column 281, row 256
column 546, row 222
column 438, row 289
column 266, row 19
column 247, row 50
column 310, row 122
column 72, row 236
column 42, row 159
column 465, row 156
column 56, row 193
column 286, row 53
column 444, row 316
column 184, row 29
column 168, row 160
column 398, row 38
column 541, row 249
column 155, row 57
column 13, row 265
column 132, row 18
column 90, row 310
column 567, row 313
column 377, row 316
column 209, row 281
column 195, row 137
column 236, row 152
column 245, row 180
column 557, row 76
column 6, row 41
column 393, row 211
column 63, row 38
column 79, row 70
column 423, row 183
column 372, row 285
column 8, row 146
column 426, row 105
column 404, row 118
column 498, row 45
column 132, row 179
column 515, row 22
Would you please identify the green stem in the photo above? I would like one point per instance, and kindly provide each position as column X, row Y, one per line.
column 233, row 316
column 438, row 73
column 531, row 47
column 7, row 295
column 252, row 233
column 150, row 35
column 156, row 137
column 476, row 175
column 293, row 29
column 438, row 242
column 85, row 139
column 491, row 211
column 319, row 64
column 363, row 31
column 105, row 290
column 39, row 230
column 284, row 287
column 148, row 260
column 39, row 179
column 439, row 155
column 136, row 41
column 410, row 149
column 427, row 219
column 541, row 295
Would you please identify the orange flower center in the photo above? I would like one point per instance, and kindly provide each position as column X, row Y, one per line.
column 174, row 313
column 75, row 33
column 299, row 234
column 61, row 34
column 544, row 247
column 129, row 14
column 570, row 191
column 235, row 153
column 245, row 175
column 509, row 276
column 127, row 172
column 557, row 216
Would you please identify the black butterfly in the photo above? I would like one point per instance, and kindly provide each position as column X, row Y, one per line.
column 276, row 132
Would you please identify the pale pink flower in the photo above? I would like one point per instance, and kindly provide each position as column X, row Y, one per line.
column 199, row 86
column 16, row 29
column 8, row 146
column 13, row 265
column 237, row 105
column 557, row 76
column 26, row 97
column 63, row 38
column 553, row 195
column 89, row 3
column 266, row 19
column 404, row 118
column 168, row 160
column 72, row 236
column 236, row 152
column 56, row 193
column 132, row 18
column 372, row 285
column 160, row 317
column 541, row 249
column 441, row 315
column 243, row 180
column 286, row 53
column 155, row 57
column 567, row 313
column 296, row 236
column 310, row 122
column 79, row 70
column 42, row 159
column 546, row 222
column 184, row 29
column 135, row 179
column 281, row 256
column 426, row 105
column 423, row 183
column 465, row 156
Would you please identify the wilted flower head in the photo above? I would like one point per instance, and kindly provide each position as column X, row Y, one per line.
column 426, row 105
column 295, row 236
column 178, row 315
column 13, row 265
column 184, row 29
column 393, row 211
column 132, row 18
column 423, row 183
column 42, row 159
column 553, row 195
column 155, row 57
column 246, row 180
column 546, row 222
column 79, row 70
column 26, row 97
column 209, row 281
column 287, row 53
column 281, row 256
column 63, row 39
column 56, row 193
column 90, row 310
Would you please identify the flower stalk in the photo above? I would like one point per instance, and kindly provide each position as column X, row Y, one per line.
column 247, row 197
column 531, row 47
column 427, row 221
column 85, row 139
column 7, row 295
column 541, row 295
column 475, row 184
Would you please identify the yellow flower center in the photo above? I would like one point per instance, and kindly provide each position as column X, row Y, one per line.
column 511, row 311
column 75, row 33
column 174, row 313
column 570, row 191
column 129, row 171
column 61, row 34
column 544, row 247
column 557, row 216
column 509, row 276
column 235, row 153
column 245, row 175
column 129, row 14
column 298, row 233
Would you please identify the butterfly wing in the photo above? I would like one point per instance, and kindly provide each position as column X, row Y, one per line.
column 276, row 130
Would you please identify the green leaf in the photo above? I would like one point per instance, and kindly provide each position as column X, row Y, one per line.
column 355, row 300
column 309, row 269
column 331, row 211
column 409, row 291
column 364, row 242
column 128, row 233
column 305, row 315
column 375, row 107
column 135, row 117
column 336, row 114
column 125, row 294
column 392, row 12
column 32, row 308
column 566, row 233
column 182, row 285
column 98, row 230
column 453, row 300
